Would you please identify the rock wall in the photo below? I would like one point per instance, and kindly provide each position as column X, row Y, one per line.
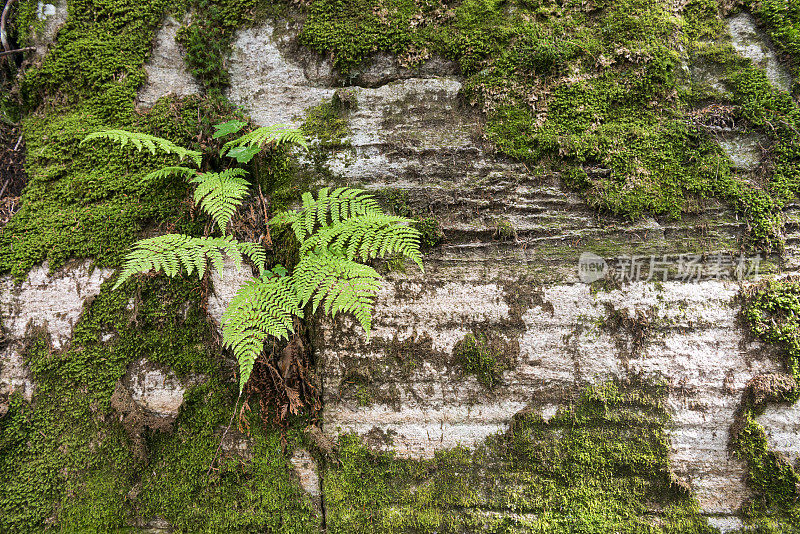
column 507, row 274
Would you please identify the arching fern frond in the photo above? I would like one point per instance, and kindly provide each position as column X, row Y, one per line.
column 328, row 208
column 220, row 193
column 339, row 284
column 262, row 307
column 368, row 236
column 166, row 172
column 173, row 253
column 279, row 134
column 256, row 253
column 145, row 141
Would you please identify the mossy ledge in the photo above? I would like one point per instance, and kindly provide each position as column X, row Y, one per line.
column 598, row 465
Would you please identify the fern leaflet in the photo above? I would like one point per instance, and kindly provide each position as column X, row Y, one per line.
column 172, row 253
column 262, row 307
column 339, row 284
column 368, row 236
column 329, row 208
column 278, row 134
column 220, row 194
column 145, row 141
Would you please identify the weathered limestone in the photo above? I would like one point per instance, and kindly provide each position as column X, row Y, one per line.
column 308, row 474
column 45, row 302
column 782, row 426
column 52, row 15
column 751, row 43
column 166, row 68
column 156, row 389
column 410, row 131
column 690, row 340
column 224, row 289
column 274, row 88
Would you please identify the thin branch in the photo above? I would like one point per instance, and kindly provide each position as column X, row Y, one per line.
column 3, row 21
column 18, row 51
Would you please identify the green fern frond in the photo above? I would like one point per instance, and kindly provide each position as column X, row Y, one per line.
column 145, row 141
column 339, row 284
column 279, row 134
column 166, row 172
column 329, row 208
column 172, row 253
column 220, row 194
column 256, row 253
column 262, row 307
column 368, row 236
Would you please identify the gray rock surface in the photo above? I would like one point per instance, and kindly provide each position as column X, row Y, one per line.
column 53, row 15
column 274, row 87
column 411, row 132
column 156, row 389
column 782, row 426
column 166, row 68
column 49, row 303
column 751, row 43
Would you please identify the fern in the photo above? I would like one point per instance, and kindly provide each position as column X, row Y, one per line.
column 166, row 172
column 278, row 134
column 262, row 308
column 330, row 207
column 172, row 253
column 220, row 194
column 339, row 284
column 145, row 141
column 368, row 236
column 337, row 229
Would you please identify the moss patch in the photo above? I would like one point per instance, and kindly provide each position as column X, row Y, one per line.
column 597, row 90
column 88, row 478
column 479, row 357
column 772, row 311
column 598, row 466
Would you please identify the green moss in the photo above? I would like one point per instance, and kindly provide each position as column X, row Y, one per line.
column 256, row 495
column 100, row 52
column 772, row 311
column 597, row 90
column 327, row 122
column 67, row 439
column 478, row 356
column 504, row 230
column 89, row 477
column 88, row 201
column 598, row 466
column 782, row 22
column 207, row 38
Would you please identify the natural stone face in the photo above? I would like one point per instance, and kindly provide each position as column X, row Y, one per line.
column 274, row 88
column 751, row 43
column 684, row 334
column 52, row 16
column 156, row 389
column 225, row 288
column 308, row 473
column 744, row 149
column 166, row 68
column 48, row 302
column 782, row 426
column 403, row 389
